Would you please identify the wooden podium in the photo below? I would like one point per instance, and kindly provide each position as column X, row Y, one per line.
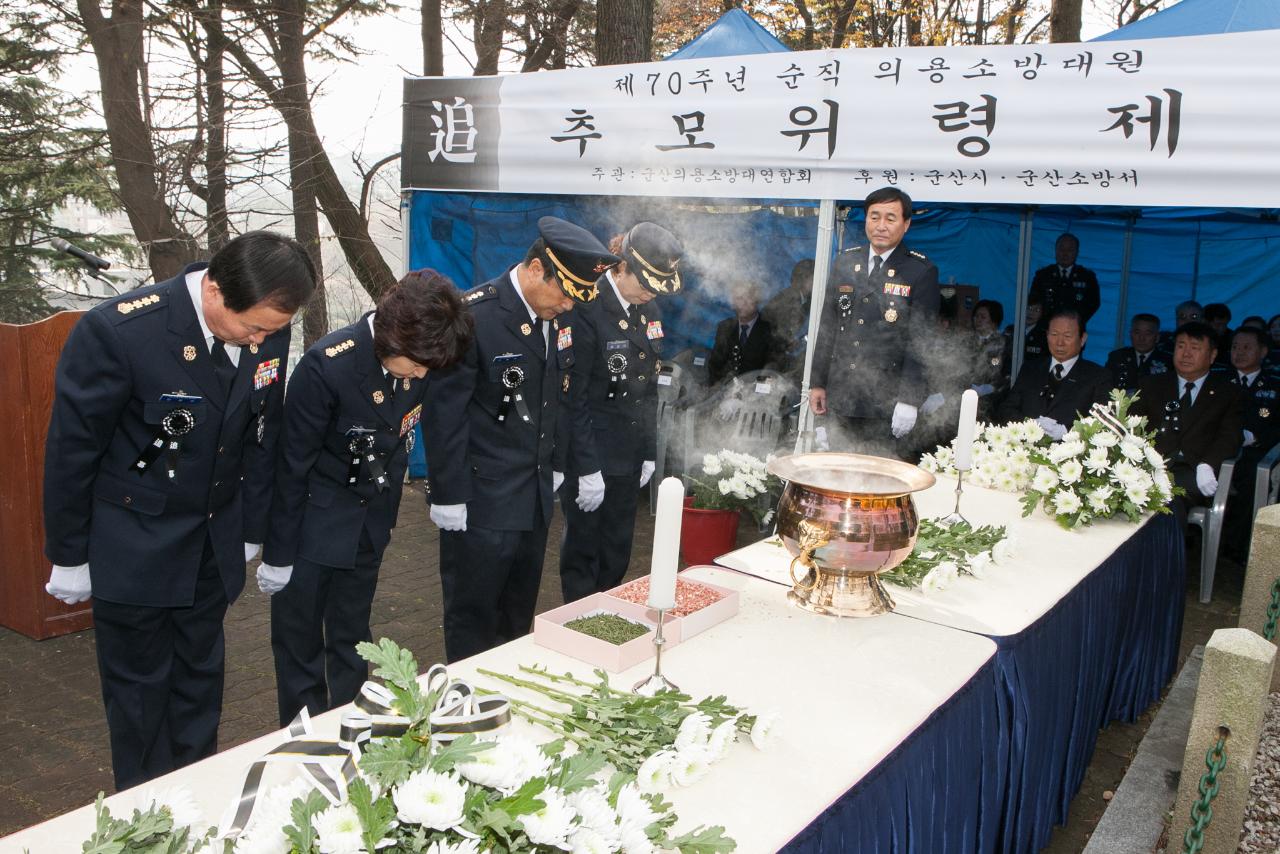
column 28, row 360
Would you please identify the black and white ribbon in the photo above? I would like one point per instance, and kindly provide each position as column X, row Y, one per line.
column 617, row 367
column 362, row 452
column 168, row 440
column 512, row 380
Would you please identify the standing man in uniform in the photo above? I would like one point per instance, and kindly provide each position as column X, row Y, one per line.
column 353, row 403
column 491, row 429
column 1065, row 284
column 158, row 475
column 881, row 309
column 619, row 343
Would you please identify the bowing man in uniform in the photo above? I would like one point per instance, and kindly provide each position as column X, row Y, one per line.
column 619, row 341
column 1128, row 365
column 1054, row 391
column 158, row 476
column 1196, row 415
column 353, row 402
column 493, row 454
column 1065, row 284
column 881, row 309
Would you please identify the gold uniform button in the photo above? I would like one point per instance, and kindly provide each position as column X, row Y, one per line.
column 861, row 321
column 642, row 355
column 642, row 378
column 128, row 499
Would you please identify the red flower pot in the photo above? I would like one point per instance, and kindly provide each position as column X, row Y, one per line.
column 706, row 534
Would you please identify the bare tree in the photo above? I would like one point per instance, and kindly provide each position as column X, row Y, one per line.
column 432, row 38
column 1064, row 21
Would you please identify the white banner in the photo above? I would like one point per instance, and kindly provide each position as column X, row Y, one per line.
column 1186, row 121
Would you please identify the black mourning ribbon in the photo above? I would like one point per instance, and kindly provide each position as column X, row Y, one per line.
column 617, row 366
column 512, row 379
column 168, row 441
column 362, row 452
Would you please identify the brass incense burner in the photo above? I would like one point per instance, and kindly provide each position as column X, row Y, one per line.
column 845, row 518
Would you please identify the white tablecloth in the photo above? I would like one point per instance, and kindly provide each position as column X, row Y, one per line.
column 848, row 691
column 1048, row 563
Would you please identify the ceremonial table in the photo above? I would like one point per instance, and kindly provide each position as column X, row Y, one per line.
column 888, row 737
column 1087, row 625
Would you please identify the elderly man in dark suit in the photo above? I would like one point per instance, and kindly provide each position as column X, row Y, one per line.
column 1196, row 415
column 1054, row 391
column 353, row 403
column 158, row 477
column 744, row 342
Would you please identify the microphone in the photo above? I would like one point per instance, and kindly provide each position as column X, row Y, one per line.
column 93, row 261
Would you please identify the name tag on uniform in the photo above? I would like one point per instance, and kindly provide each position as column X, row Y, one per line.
column 654, row 330
column 565, row 339
column 411, row 419
column 845, row 289
column 266, row 373
column 616, row 345
column 897, row 289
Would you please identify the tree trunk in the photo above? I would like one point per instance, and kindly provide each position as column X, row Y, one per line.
column 549, row 47
column 294, row 106
column 216, row 217
column 432, row 39
column 118, row 44
column 488, row 28
column 1064, row 21
column 624, row 31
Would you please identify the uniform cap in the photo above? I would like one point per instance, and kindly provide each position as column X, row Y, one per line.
column 577, row 257
column 653, row 254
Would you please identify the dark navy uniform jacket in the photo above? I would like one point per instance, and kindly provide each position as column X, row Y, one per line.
column 870, row 348
column 502, row 469
column 1261, row 409
column 623, row 428
column 1077, row 290
column 1123, row 365
column 143, row 535
column 337, row 389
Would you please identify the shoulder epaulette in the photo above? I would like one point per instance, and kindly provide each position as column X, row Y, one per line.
column 919, row 255
column 138, row 305
column 340, row 348
column 480, row 294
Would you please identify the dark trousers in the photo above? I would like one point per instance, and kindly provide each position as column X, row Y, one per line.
column 1237, row 528
column 162, row 674
column 316, row 622
column 596, row 548
column 1184, row 475
column 490, row 584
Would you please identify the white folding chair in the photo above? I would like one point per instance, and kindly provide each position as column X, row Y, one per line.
column 1266, row 487
column 1209, row 520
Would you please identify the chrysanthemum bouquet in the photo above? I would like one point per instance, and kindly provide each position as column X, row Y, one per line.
column 1002, row 456
column 734, row 481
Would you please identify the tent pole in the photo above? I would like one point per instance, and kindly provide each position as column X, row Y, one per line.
column 1020, row 295
column 1127, row 259
column 821, row 271
column 405, row 243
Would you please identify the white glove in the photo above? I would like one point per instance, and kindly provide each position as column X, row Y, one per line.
column 647, row 468
column 70, row 584
column 557, row 478
column 904, row 418
column 450, row 517
column 590, row 492
column 272, row 579
column 984, row 389
column 1052, row 429
column 820, row 440
column 1206, row 480
column 932, row 403
column 251, row 551
column 1249, row 438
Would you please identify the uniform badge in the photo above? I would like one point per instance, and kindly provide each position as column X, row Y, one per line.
column 266, row 373
column 565, row 384
column 411, row 419
column 845, row 289
column 378, row 396
column 135, row 304
column 189, row 353
column 891, row 271
column 564, row 339
column 857, row 268
column 643, row 319
column 844, row 302
column 897, row 289
column 253, row 348
column 526, row 329
column 891, row 314
column 653, row 329
column 622, row 324
column 995, row 361
column 1264, row 412
column 405, row 384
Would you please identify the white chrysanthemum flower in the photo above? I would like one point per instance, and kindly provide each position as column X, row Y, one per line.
column 461, row 846
column 722, row 738
column 978, row 564
column 978, row 477
column 1066, row 502
column 1045, row 479
column 945, row 455
column 1071, row 437
column 1132, row 448
column 1070, row 471
column 551, row 824
column 1098, row 461
column 1006, row 482
column 178, row 802
column 1153, row 457
column 711, row 464
column 584, row 840
column 690, row 765
column 655, row 772
column 634, row 810
column 928, row 462
column 1019, row 457
column 1100, row 499
column 1135, row 421
column 1032, row 432
column 271, row 815
column 636, row 841
column 950, row 571
column 594, row 812
column 431, row 799
column 1137, row 494
column 932, row 582
column 725, row 486
column 1002, row 552
column 694, row 731
column 508, row 763
column 1124, row 473
column 338, row 830
column 1104, row 439
column 764, row 732
column 1161, row 479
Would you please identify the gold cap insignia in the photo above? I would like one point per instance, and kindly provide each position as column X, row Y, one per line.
column 189, row 353
column 891, row 315
column 378, row 396
column 526, row 329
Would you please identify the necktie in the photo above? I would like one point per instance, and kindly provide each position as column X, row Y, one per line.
column 633, row 315
column 1057, row 372
column 876, row 261
column 1244, row 381
column 1063, row 272
column 1142, row 357
column 1185, row 401
column 223, row 370
column 743, row 331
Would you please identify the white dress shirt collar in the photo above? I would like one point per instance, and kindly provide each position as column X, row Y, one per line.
column 622, row 301
column 195, row 286
column 1250, row 379
column 1196, row 386
column 1066, row 366
column 515, row 283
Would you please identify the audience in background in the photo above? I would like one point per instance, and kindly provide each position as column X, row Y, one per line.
column 1188, row 311
column 1130, row 364
column 744, row 342
column 1260, row 432
column 990, row 378
column 1218, row 316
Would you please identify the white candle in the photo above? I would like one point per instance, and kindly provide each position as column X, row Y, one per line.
column 964, row 435
column 666, row 544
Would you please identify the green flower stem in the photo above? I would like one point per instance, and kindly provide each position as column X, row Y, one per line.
column 562, row 696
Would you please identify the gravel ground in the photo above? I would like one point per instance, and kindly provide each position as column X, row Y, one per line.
column 1262, row 818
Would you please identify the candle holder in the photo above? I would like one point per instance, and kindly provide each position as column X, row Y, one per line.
column 657, row 682
column 956, row 516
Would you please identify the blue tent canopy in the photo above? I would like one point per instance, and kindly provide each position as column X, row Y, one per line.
column 1202, row 17
column 733, row 34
